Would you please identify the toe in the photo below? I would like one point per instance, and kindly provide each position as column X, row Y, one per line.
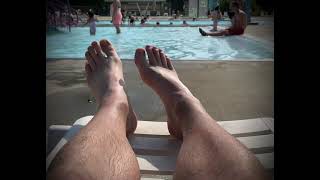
column 152, row 60
column 157, row 56
column 169, row 63
column 163, row 59
column 96, row 47
column 140, row 59
column 90, row 61
column 88, row 68
column 92, row 52
column 107, row 48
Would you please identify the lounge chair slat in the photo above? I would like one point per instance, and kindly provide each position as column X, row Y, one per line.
column 267, row 160
column 169, row 145
column 166, row 164
column 243, row 126
column 233, row 127
column 55, row 133
column 163, row 146
column 269, row 122
column 160, row 128
column 156, row 164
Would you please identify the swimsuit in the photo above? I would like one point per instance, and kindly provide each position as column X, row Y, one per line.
column 117, row 19
column 92, row 25
column 237, row 31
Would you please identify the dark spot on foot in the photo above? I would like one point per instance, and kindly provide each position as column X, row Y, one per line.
column 122, row 83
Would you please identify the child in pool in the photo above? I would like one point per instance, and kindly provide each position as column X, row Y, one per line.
column 131, row 20
column 216, row 16
column 92, row 23
column 184, row 23
column 142, row 21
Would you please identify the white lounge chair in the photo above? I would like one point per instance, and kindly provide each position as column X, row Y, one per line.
column 156, row 150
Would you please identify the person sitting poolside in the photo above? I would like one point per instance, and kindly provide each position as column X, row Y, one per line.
column 238, row 24
column 101, row 149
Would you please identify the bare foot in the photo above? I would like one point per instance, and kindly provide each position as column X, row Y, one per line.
column 105, row 77
column 161, row 76
column 202, row 32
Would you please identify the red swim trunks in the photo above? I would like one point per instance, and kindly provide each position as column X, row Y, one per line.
column 235, row 31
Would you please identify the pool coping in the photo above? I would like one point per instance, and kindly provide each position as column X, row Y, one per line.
column 184, row 60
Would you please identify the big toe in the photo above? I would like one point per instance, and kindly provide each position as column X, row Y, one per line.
column 107, row 48
column 140, row 59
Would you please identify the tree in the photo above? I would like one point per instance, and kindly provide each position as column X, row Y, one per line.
column 224, row 5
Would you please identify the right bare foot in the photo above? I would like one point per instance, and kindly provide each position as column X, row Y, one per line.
column 161, row 76
column 105, row 78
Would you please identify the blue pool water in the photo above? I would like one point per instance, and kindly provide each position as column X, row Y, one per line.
column 175, row 22
column 180, row 43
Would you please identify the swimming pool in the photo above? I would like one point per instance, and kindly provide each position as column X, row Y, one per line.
column 180, row 43
column 174, row 22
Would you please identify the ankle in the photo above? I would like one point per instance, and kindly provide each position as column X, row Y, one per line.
column 115, row 98
column 185, row 104
column 187, row 110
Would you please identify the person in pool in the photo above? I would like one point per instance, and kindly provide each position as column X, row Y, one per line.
column 142, row 21
column 216, row 16
column 101, row 149
column 184, row 23
column 131, row 20
column 116, row 15
column 92, row 22
column 238, row 24
column 158, row 23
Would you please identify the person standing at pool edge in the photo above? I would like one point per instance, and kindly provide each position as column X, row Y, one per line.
column 116, row 15
column 238, row 23
column 92, row 23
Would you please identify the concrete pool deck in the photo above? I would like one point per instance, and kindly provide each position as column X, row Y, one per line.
column 229, row 90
